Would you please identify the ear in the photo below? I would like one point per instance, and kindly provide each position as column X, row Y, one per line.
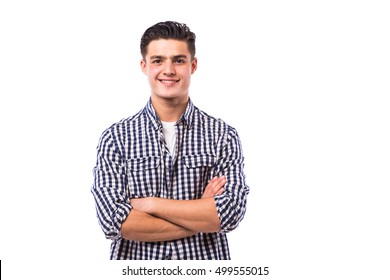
column 143, row 66
column 194, row 65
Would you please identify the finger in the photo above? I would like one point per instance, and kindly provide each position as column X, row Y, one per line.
column 218, row 183
column 208, row 190
column 220, row 191
column 214, row 186
column 213, row 180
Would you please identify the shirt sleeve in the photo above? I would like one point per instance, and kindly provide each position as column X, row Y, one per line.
column 109, row 187
column 231, row 204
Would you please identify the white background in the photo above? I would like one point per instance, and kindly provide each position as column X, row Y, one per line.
column 305, row 83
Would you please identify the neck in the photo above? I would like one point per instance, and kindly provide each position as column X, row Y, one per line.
column 169, row 110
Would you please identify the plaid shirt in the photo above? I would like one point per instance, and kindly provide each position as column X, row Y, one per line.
column 133, row 161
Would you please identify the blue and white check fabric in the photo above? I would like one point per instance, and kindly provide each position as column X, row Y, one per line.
column 133, row 161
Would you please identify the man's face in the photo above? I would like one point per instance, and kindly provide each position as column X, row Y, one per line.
column 168, row 66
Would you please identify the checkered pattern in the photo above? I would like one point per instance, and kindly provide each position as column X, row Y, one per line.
column 133, row 161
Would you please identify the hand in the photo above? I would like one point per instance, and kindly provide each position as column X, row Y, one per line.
column 214, row 187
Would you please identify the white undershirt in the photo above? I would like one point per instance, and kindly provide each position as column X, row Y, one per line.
column 169, row 132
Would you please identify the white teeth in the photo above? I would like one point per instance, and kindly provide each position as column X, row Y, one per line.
column 168, row 81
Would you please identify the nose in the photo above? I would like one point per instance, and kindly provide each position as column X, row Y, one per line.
column 169, row 68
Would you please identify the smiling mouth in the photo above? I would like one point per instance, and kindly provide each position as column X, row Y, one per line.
column 168, row 81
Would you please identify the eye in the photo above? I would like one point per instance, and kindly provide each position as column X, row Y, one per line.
column 179, row 61
column 156, row 61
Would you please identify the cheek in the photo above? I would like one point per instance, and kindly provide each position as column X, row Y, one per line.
column 152, row 72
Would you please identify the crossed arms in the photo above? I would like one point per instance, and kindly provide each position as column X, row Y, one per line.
column 220, row 209
column 159, row 219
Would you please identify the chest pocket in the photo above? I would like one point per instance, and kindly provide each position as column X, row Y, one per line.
column 143, row 176
column 200, row 169
column 196, row 161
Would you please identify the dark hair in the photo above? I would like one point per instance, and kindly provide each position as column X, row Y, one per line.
column 168, row 30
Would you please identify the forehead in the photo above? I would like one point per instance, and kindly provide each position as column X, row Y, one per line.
column 167, row 48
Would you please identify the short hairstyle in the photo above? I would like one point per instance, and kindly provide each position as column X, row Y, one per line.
column 168, row 30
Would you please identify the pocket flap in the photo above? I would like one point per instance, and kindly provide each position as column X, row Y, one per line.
column 145, row 163
column 194, row 161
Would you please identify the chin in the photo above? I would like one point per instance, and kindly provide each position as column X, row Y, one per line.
column 171, row 95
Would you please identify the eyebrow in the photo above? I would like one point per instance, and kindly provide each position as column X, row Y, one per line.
column 163, row 57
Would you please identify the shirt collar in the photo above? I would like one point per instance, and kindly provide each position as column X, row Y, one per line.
column 187, row 116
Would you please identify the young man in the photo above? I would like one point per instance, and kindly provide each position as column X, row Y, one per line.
column 169, row 181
